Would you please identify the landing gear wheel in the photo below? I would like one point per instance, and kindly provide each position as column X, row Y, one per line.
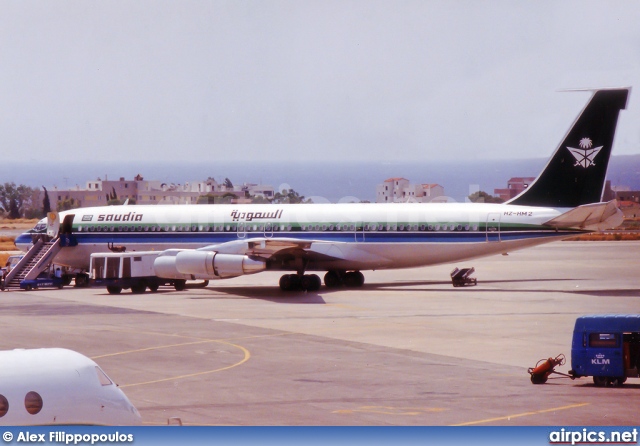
column 114, row 289
column 290, row 282
column 285, row 282
column 310, row 282
column 354, row 279
column 154, row 287
column 180, row 285
column 332, row 279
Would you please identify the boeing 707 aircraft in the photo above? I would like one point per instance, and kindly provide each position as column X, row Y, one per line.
column 341, row 240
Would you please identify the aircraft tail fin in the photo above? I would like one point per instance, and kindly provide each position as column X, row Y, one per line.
column 576, row 172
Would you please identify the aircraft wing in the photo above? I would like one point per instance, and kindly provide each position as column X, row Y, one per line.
column 596, row 216
column 288, row 249
column 250, row 256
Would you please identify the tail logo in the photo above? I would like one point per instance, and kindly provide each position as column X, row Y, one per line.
column 585, row 154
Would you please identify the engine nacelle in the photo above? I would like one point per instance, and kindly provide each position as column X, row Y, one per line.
column 165, row 266
column 206, row 265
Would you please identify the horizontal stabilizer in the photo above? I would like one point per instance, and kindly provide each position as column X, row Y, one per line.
column 596, row 216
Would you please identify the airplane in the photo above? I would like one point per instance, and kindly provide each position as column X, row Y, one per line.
column 49, row 386
column 342, row 240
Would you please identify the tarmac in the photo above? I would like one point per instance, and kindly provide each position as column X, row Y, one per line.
column 405, row 349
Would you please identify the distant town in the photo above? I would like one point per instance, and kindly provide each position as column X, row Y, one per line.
column 401, row 190
column 138, row 190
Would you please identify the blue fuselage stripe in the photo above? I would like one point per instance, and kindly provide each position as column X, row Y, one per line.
column 211, row 238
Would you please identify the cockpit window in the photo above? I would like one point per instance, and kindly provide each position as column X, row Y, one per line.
column 33, row 402
column 4, row 406
column 39, row 228
column 103, row 378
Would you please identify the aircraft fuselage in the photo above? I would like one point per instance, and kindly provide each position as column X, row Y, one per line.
column 365, row 236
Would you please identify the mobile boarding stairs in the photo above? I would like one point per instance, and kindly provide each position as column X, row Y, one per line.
column 34, row 262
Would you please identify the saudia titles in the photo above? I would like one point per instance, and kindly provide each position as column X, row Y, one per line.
column 131, row 216
column 250, row 216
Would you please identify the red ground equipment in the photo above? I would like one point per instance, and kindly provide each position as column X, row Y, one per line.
column 545, row 367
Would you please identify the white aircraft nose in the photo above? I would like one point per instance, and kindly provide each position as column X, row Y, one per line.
column 59, row 386
column 129, row 416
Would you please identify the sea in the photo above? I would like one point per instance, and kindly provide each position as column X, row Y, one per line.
column 329, row 181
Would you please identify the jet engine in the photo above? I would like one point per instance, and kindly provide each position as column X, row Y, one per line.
column 206, row 265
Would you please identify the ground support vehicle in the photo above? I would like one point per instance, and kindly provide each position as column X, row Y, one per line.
column 128, row 270
column 462, row 277
column 606, row 347
column 43, row 281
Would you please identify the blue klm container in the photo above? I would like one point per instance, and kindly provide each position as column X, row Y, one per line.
column 606, row 347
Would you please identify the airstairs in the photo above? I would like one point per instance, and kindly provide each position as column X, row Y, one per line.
column 34, row 262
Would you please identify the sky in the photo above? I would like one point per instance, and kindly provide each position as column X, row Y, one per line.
column 306, row 80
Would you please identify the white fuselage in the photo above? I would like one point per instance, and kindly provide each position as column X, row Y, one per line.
column 59, row 386
column 352, row 236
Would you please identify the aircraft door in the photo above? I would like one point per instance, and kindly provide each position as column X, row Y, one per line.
column 66, row 231
column 242, row 229
column 268, row 230
column 359, row 231
column 493, row 227
column 67, row 224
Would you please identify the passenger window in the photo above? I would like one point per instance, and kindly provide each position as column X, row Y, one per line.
column 603, row 340
column 4, row 406
column 103, row 378
column 33, row 402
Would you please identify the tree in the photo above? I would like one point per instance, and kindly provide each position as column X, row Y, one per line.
column 46, row 204
column 289, row 196
column 226, row 198
column 67, row 204
column 483, row 197
column 15, row 199
column 112, row 195
column 259, row 199
column 228, row 184
column 206, row 199
column 112, row 198
column 35, row 210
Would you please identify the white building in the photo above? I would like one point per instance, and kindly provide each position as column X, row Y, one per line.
column 140, row 191
column 400, row 190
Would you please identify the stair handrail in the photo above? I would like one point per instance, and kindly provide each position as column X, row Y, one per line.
column 33, row 251
column 45, row 260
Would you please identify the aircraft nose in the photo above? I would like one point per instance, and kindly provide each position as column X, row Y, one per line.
column 23, row 242
column 135, row 415
column 118, row 408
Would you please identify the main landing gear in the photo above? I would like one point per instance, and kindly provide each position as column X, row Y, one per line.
column 311, row 282
column 305, row 282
